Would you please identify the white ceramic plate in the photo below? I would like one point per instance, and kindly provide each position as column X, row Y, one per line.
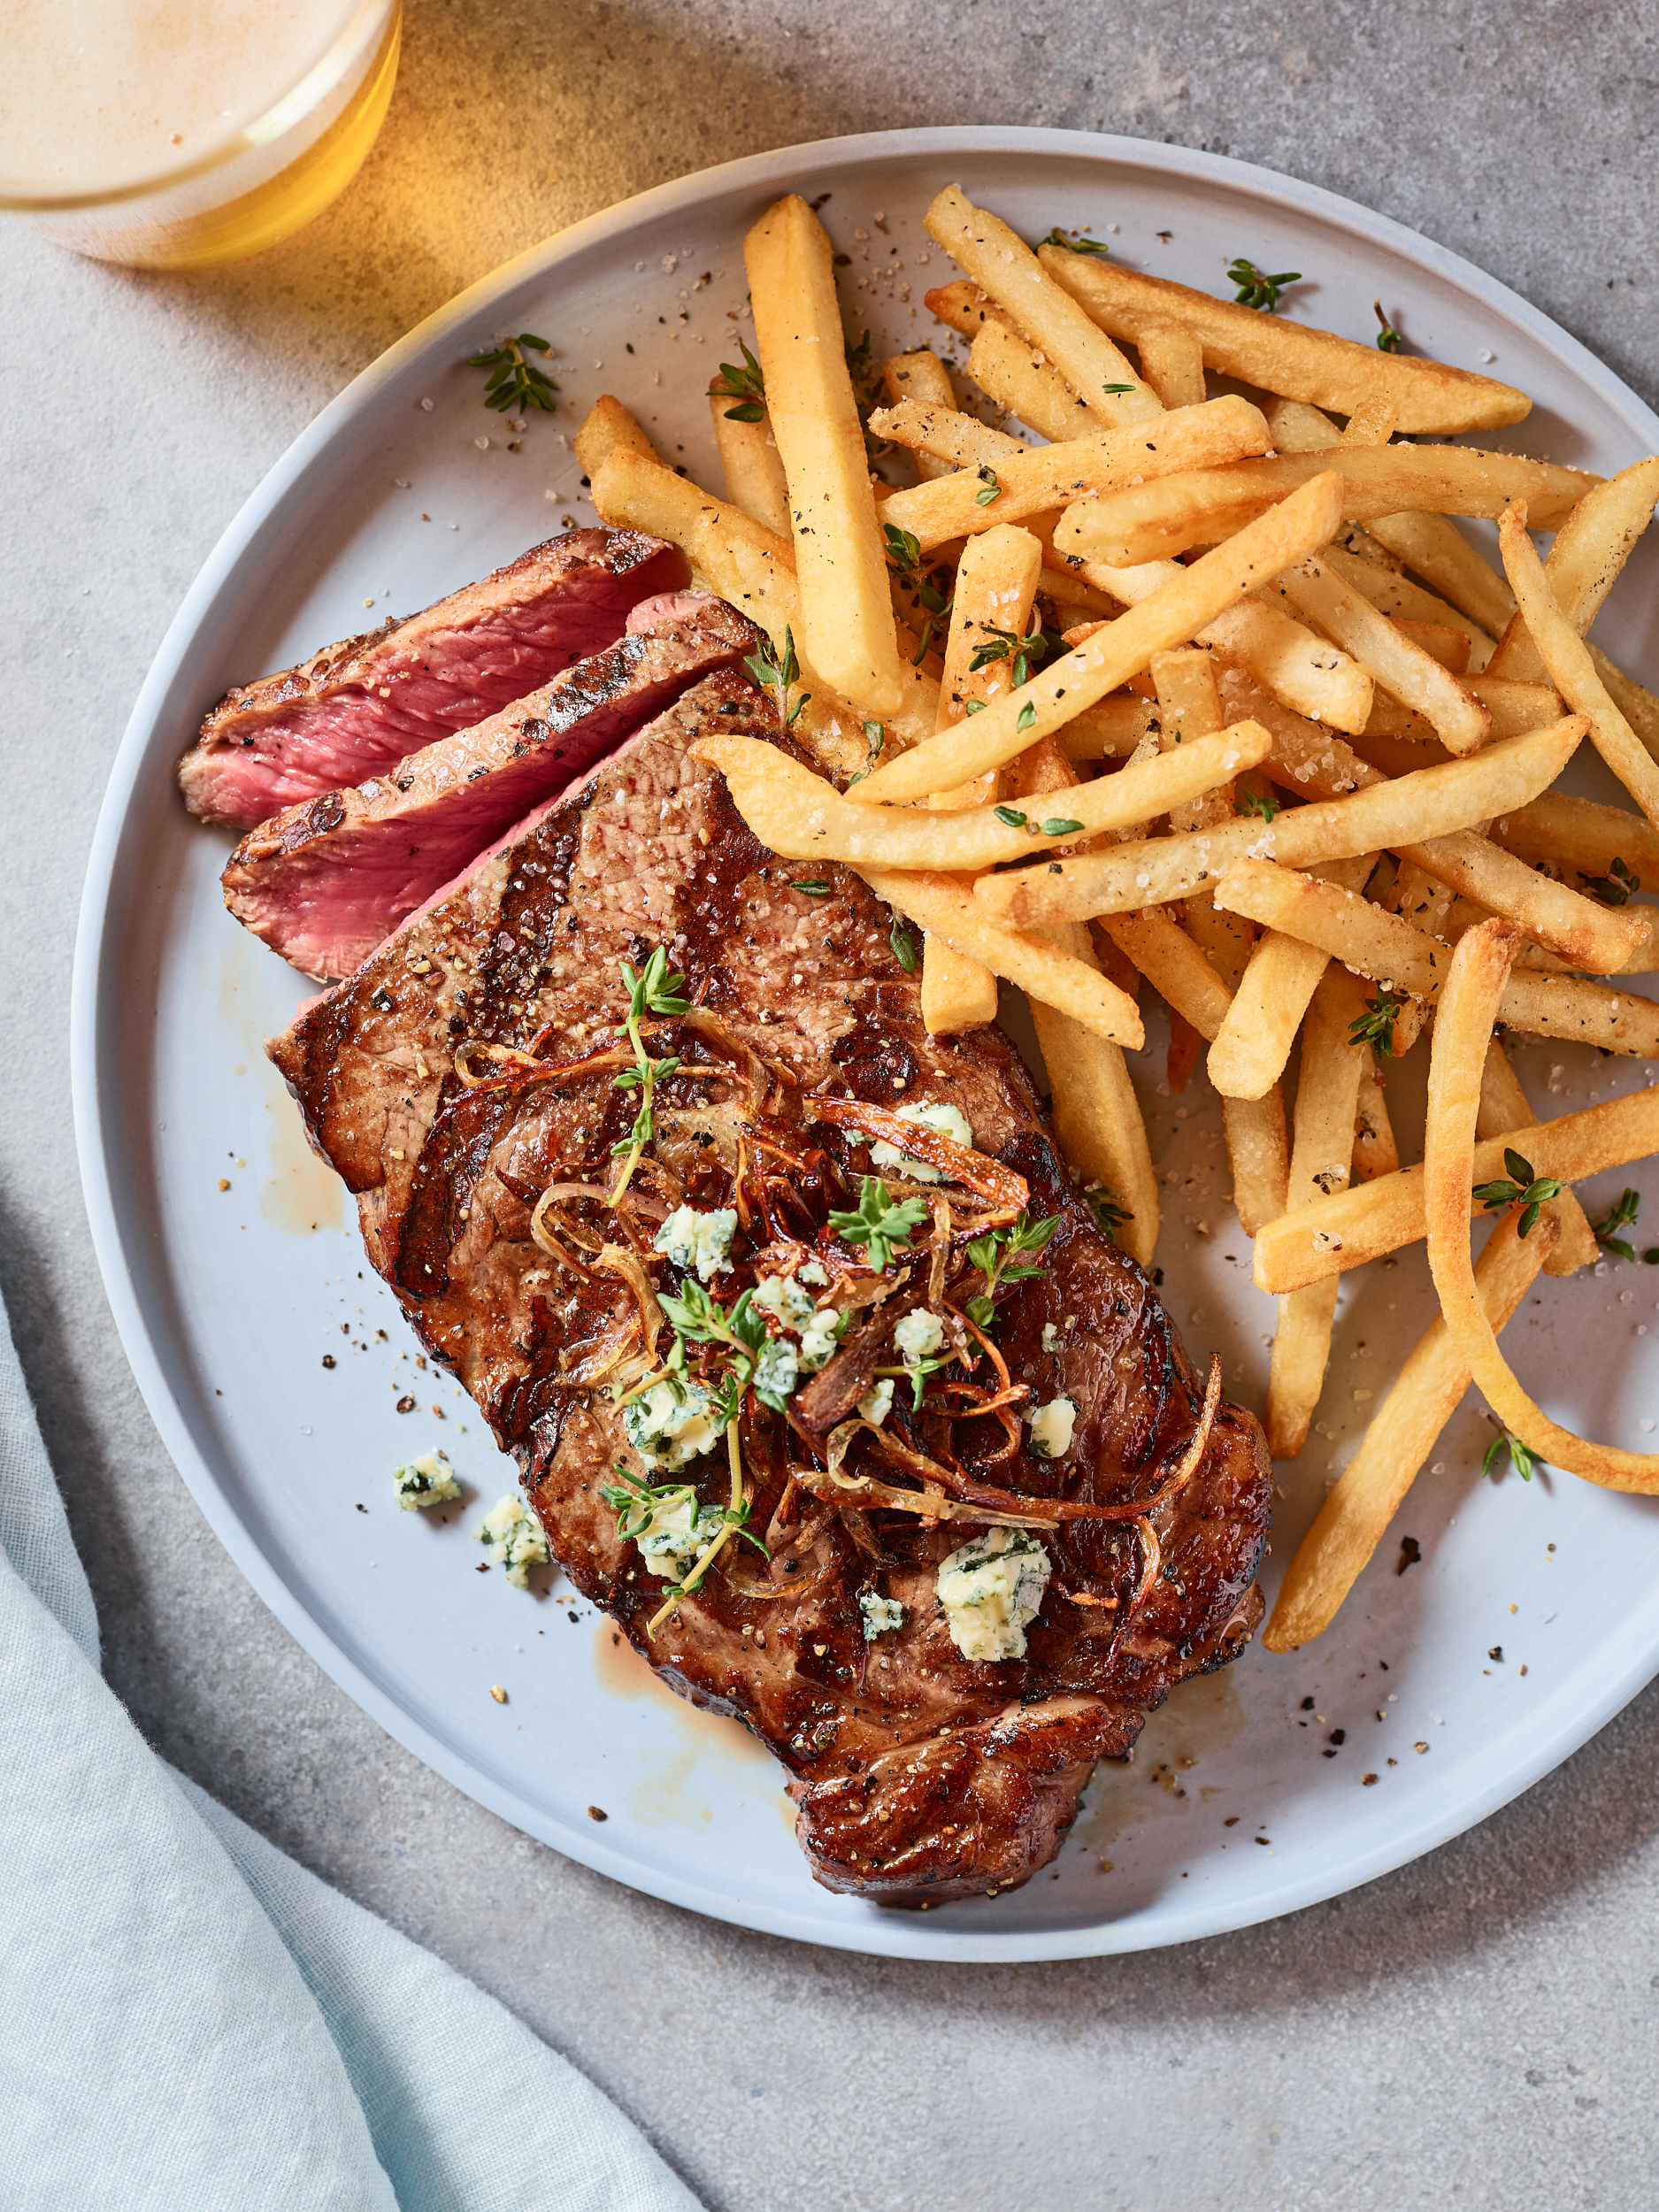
column 1237, row 1807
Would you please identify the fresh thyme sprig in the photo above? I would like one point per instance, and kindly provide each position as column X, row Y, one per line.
column 883, row 1226
column 904, row 558
column 1621, row 1217
column 779, row 677
column 1616, row 888
column 636, row 1502
column 652, row 991
column 746, row 385
column 1056, row 824
column 1523, row 1458
column 1529, row 1191
column 1077, row 242
column 517, row 385
column 1256, row 289
column 902, row 945
column 1108, row 1213
column 1388, row 339
column 997, row 1256
column 1024, row 653
column 1257, row 802
column 990, row 486
column 1376, row 1026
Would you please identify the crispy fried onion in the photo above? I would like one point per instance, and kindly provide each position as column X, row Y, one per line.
column 977, row 1171
column 948, row 1495
column 1469, row 1006
column 513, row 1066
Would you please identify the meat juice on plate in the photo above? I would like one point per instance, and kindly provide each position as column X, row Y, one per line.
column 179, row 133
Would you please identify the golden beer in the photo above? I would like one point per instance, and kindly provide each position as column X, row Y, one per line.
column 175, row 133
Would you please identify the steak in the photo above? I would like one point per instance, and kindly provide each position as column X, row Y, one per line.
column 325, row 881
column 357, row 708
column 463, row 1084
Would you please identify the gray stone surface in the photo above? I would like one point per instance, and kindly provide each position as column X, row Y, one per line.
column 1478, row 2028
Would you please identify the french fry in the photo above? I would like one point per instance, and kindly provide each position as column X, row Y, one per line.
column 1327, row 1094
column 1021, row 379
column 1035, row 480
column 1279, row 355
column 846, row 614
column 802, row 817
column 966, row 308
column 1512, row 707
column 1002, row 263
column 1355, row 1516
column 996, row 580
column 1250, row 1048
column 1308, row 759
column 1433, row 547
column 1403, row 668
column 1391, row 952
column 942, row 905
column 1111, row 730
column 1375, row 1151
column 1172, row 362
column 1172, row 615
column 920, row 376
column 1403, row 601
column 749, row 463
column 940, row 428
column 1333, row 1235
column 1189, row 707
column 1259, row 1156
column 1162, row 517
column 610, row 428
column 1411, row 811
column 747, row 564
column 1307, row 673
column 1634, row 701
column 1174, row 967
column 1096, row 1115
column 1374, row 421
column 1571, row 669
column 1504, row 1105
column 1591, row 546
column 1474, row 989
column 1580, row 836
column 1444, row 643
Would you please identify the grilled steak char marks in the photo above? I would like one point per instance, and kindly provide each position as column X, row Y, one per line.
column 357, row 708
column 323, row 883
column 918, row 1775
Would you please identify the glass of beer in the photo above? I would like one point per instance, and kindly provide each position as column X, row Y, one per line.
column 176, row 134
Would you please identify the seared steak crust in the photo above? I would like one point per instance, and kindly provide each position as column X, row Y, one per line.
column 918, row 1775
column 355, row 708
column 324, row 882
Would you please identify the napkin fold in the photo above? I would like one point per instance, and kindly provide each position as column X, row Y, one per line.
column 188, row 2021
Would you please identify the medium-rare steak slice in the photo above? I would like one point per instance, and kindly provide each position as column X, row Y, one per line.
column 1032, row 1525
column 355, row 708
column 323, row 883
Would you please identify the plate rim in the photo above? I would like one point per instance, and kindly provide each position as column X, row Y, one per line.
column 908, row 1936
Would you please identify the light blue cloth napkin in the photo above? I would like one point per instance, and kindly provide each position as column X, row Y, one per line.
column 191, row 2023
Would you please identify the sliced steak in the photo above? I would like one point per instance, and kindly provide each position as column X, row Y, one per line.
column 919, row 1774
column 355, row 708
column 324, row 882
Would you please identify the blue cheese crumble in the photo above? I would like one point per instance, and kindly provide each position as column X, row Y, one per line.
column 515, row 1540
column 425, row 1482
column 877, row 1402
column 672, row 1422
column 817, row 1338
column 678, row 1530
column 817, row 1327
column 691, row 1238
column 1051, row 1427
column 918, row 1334
column 881, row 1615
column 990, row 1589
column 950, row 1121
column 777, row 1370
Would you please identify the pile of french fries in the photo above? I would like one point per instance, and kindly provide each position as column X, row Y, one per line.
column 1300, row 781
